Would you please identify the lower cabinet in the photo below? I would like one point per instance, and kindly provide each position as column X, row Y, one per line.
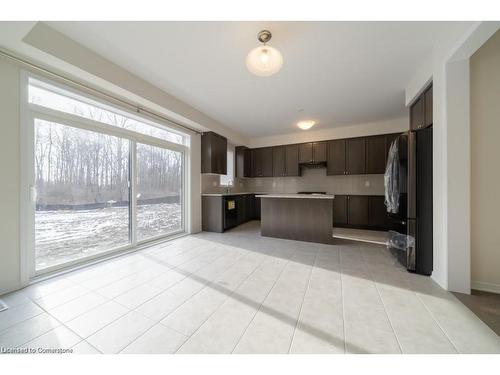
column 245, row 208
column 360, row 211
column 224, row 212
column 257, row 208
column 377, row 212
column 340, row 210
column 357, row 210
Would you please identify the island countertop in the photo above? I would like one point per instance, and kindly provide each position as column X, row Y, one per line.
column 228, row 194
column 299, row 196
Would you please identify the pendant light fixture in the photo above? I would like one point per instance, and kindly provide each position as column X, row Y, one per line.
column 306, row 125
column 264, row 60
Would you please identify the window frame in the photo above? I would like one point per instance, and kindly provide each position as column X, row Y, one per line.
column 31, row 111
column 230, row 149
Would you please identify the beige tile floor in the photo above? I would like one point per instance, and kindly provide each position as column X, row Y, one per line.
column 239, row 292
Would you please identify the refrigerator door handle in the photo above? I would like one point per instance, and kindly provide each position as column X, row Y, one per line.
column 412, row 175
column 411, row 255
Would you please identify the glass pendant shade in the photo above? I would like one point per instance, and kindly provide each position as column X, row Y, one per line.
column 264, row 61
column 306, row 125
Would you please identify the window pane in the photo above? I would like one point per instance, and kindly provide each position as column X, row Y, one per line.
column 228, row 179
column 82, row 205
column 159, row 184
column 50, row 99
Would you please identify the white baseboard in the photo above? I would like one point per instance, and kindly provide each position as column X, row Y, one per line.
column 485, row 287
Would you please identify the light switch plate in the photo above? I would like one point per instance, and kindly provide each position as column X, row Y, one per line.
column 367, row 183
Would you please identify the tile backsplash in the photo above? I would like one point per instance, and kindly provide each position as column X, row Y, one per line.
column 210, row 184
column 312, row 179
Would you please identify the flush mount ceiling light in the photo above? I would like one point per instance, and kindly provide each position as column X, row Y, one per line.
column 264, row 60
column 305, row 125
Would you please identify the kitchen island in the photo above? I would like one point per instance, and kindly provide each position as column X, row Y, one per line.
column 297, row 217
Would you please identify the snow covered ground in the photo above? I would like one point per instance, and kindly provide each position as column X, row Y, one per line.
column 65, row 235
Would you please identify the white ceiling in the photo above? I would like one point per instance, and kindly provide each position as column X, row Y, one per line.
column 338, row 73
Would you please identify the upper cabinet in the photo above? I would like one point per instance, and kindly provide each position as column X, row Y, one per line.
column 292, row 160
column 306, row 153
column 312, row 152
column 262, row 162
column 279, row 161
column 213, row 153
column 336, row 157
column 319, row 152
column 362, row 155
column 243, row 162
column 421, row 111
column 356, row 156
column 428, row 106
column 286, row 161
column 375, row 154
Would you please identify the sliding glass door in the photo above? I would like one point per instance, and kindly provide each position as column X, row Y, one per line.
column 100, row 180
column 82, row 204
column 159, row 191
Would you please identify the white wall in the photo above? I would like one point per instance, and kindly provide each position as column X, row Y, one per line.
column 449, row 73
column 84, row 64
column 458, row 175
column 381, row 127
column 485, row 132
column 10, row 184
column 10, row 166
column 194, row 193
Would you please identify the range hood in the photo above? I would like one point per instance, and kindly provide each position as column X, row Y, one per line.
column 312, row 164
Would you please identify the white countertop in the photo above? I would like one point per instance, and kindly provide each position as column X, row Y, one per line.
column 299, row 196
column 227, row 194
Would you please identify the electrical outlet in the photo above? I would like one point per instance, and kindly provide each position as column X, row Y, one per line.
column 367, row 183
column 214, row 183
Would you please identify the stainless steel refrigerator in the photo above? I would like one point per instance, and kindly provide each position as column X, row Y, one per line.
column 414, row 215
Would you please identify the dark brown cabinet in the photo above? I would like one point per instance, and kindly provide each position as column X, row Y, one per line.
column 312, row 152
column 377, row 212
column 257, row 208
column 245, row 208
column 421, row 110
column 356, row 159
column 375, row 154
column 279, row 161
column 336, row 157
column 417, row 114
column 362, row 155
column 255, row 162
column 360, row 211
column 213, row 153
column 243, row 162
column 262, row 162
column 428, row 107
column 217, row 216
column 340, row 210
column 267, row 162
column 212, row 214
column 292, row 160
column 306, row 153
column 319, row 152
column 357, row 210
column 286, row 161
